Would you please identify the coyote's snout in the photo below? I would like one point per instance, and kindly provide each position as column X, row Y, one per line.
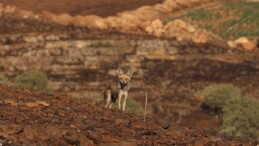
column 121, row 90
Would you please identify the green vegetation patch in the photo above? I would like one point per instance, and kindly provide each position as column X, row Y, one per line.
column 240, row 115
column 203, row 15
column 216, row 96
column 4, row 80
column 133, row 106
column 241, row 118
column 33, row 79
column 231, row 20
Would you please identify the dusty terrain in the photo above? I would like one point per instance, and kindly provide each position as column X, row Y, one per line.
column 80, row 61
column 33, row 118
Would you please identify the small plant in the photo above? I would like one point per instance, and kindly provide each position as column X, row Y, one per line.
column 4, row 80
column 241, row 118
column 33, row 79
column 216, row 96
column 133, row 106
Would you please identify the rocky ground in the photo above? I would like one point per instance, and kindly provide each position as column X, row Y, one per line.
column 81, row 60
column 32, row 118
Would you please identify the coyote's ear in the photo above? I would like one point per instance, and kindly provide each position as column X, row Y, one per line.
column 130, row 73
column 119, row 72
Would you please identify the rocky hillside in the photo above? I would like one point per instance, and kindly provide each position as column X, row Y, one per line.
column 230, row 20
column 81, row 61
column 33, row 118
column 143, row 20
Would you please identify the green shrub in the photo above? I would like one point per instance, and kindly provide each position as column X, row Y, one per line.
column 241, row 118
column 240, row 115
column 216, row 96
column 133, row 106
column 4, row 80
column 33, row 79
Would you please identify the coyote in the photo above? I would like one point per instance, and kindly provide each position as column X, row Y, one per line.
column 113, row 92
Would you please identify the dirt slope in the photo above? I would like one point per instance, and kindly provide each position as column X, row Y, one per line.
column 29, row 117
column 80, row 7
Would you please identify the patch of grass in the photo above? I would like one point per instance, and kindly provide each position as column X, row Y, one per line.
column 240, row 115
column 216, row 96
column 4, row 80
column 241, row 118
column 134, row 106
column 201, row 15
column 207, row 27
column 231, row 20
column 33, row 79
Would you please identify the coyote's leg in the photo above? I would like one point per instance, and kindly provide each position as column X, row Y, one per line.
column 120, row 96
column 108, row 99
column 124, row 102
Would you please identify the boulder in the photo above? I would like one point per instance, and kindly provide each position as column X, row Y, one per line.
column 63, row 19
column 244, row 43
column 232, row 44
column 180, row 24
column 47, row 15
column 113, row 22
column 100, row 23
column 170, row 3
column 9, row 9
column 156, row 28
column 24, row 14
column 199, row 37
column 249, row 45
column 241, row 40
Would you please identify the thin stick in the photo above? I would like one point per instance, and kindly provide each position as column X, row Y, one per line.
column 145, row 108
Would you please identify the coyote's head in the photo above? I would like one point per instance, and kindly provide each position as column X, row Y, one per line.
column 124, row 78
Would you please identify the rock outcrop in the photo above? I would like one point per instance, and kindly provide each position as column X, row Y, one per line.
column 243, row 43
column 143, row 20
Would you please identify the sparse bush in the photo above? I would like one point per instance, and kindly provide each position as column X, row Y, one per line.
column 240, row 115
column 33, row 79
column 133, row 106
column 216, row 96
column 241, row 118
column 4, row 80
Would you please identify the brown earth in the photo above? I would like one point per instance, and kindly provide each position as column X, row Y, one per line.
column 172, row 71
column 32, row 118
column 80, row 62
column 80, row 7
